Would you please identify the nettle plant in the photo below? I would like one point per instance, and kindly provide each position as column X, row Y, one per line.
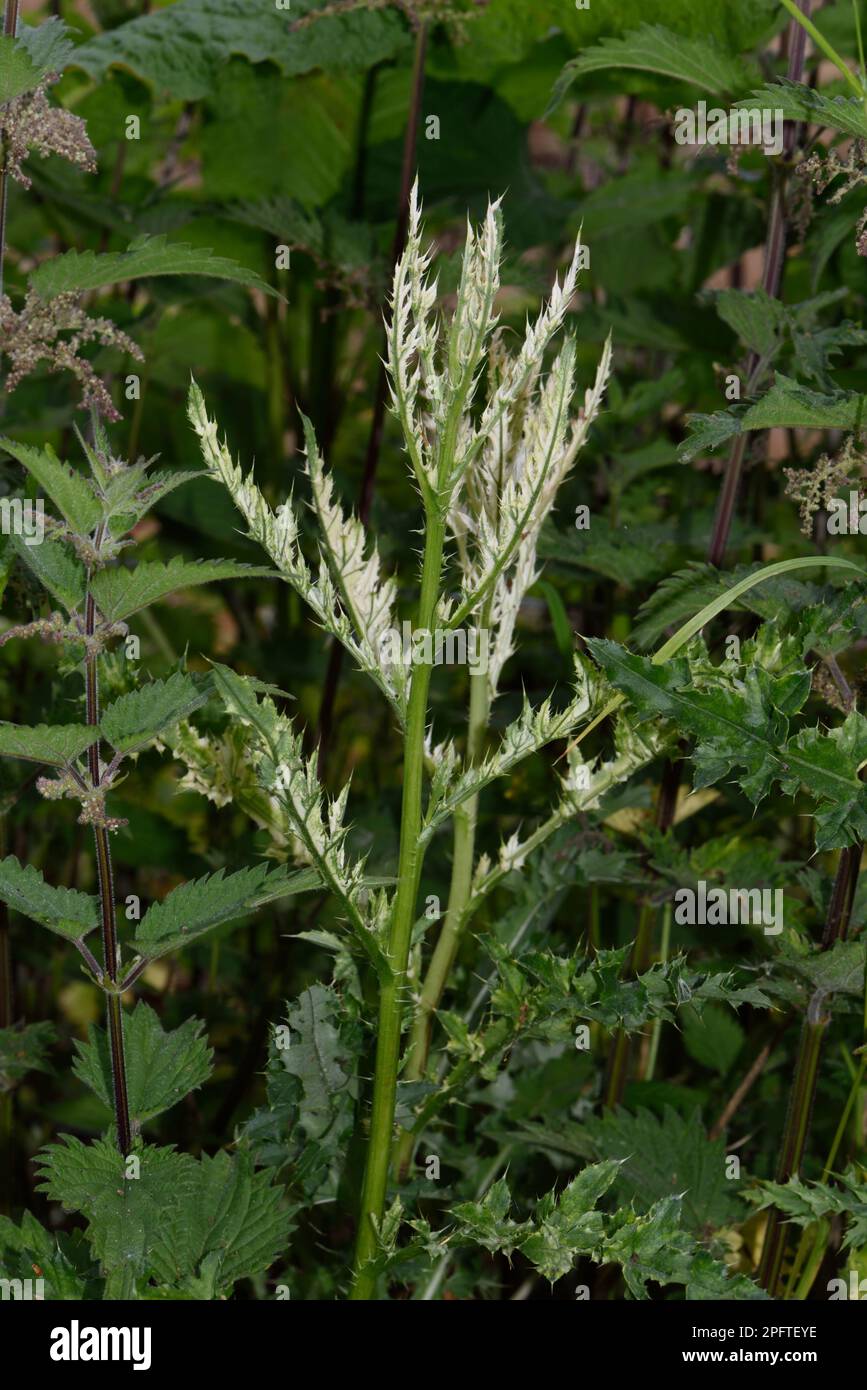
column 158, row 1222
column 490, row 437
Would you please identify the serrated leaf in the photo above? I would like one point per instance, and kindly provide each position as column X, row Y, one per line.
column 669, row 1156
column 57, row 569
column 162, row 1065
column 68, row 490
column 568, row 1226
column 487, row 1223
column 77, row 271
column 839, row 970
column 792, row 406
column 708, row 432
column 48, row 44
column 18, row 72
column 182, row 49
column 121, row 592
column 23, row 1050
column 758, row 320
column 125, row 1215
column 197, row 907
column 228, row 1215
column 653, row 48
column 55, row 744
column 134, row 720
column 798, row 102
column 713, row 1038
column 65, row 911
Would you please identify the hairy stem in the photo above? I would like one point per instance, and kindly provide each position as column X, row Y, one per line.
column 392, row 991
column 105, row 876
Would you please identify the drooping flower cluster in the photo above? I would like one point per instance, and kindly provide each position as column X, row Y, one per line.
column 30, row 123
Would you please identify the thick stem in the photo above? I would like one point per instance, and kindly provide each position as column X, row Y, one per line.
column 807, row 1070
column 446, row 949
column 105, row 877
column 392, row 992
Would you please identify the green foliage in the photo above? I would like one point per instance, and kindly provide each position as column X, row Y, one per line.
column 164, row 1066
column 148, row 255
column 63, row 910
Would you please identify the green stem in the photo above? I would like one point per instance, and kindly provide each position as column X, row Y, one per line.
column 446, row 948
column 392, row 991
column 821, row 42
column 10, row 27
column 657, row 1023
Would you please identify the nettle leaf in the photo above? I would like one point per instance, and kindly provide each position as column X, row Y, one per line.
column 792, row 406
column 183, row 48
column 134, row 720
column 65, row 911
column 316, row 1055
column 18, row 72
column 197, row 907
column 57, row 569
column 23, row 1050
column 800, row 103
column 668, row 1156
column 713, row 1038
column 228, row 1213
column 76, row 271
column 759, row 321
column 804, row 1202
column 708, row 432
column 55, row 744
column 652, row 48
column 121, row 592
column 162, row 1065
column 69, row 491
column 48, row 44
column 125, row 1215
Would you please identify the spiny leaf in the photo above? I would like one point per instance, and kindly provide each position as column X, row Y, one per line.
column 76, row 271
column 315, row 1055
column 121, row 592
column 134, row 720
column 56, row 744
column 195, row 908
column 65, row 911
column 68, row 490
